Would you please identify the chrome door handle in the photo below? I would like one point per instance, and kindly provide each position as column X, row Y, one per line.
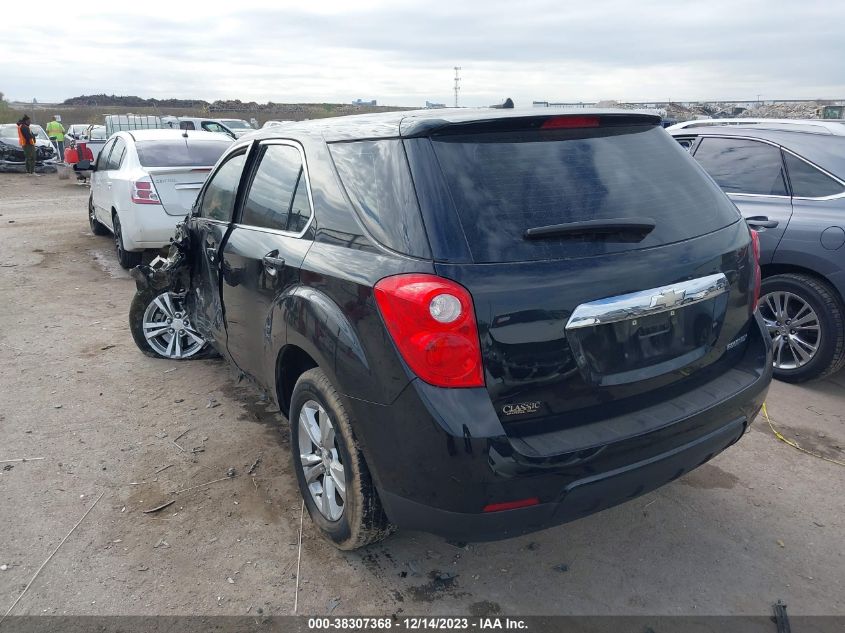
column 761, row 222
column 273, row 264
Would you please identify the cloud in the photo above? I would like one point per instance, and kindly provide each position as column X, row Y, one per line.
column 403, row 52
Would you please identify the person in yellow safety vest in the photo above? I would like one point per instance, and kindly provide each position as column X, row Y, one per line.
column 56, row 132
column 27, row 141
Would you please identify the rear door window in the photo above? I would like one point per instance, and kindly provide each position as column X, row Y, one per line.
column 103, row 156
column 743, row 165
column 268, row 201
column 807, row 181
column 300, row 210
column 186, row 125
column 117, row 154
column 218, row 200
column 507, row 182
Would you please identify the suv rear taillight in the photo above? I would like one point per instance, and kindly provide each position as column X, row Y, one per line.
column 432, row 323
column 144, row 192
column 755, row 249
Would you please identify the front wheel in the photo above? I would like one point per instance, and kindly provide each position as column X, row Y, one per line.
column 804, row 317
column 333, row 477
column 161, row 328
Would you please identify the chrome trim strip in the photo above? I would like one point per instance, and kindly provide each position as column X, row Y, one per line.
column 647, row 302
column 756, row 195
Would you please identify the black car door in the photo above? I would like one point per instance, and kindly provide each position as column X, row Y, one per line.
column 751, row 173
column 262, row 256
column 208, row 226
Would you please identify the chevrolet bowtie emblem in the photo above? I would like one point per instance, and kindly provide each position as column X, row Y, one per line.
column 667, row 299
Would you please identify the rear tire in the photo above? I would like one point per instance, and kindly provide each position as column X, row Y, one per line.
column 96, row 227
column 790, row 299
column 362, row 520
column 126, row 259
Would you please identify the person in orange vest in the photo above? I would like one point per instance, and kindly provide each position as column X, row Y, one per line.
column 27, row 141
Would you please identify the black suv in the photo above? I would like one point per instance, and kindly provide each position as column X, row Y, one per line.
column 479, row 323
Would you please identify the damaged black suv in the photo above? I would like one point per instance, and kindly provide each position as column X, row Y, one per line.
column 479, row 323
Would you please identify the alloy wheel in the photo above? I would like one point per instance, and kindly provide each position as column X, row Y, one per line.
column 794, row 327
column 321, row 461
column 168, row 330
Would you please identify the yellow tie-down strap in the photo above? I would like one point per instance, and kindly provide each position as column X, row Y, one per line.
column 795, row 444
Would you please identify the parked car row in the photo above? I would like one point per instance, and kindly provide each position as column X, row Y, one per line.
column 479, row 323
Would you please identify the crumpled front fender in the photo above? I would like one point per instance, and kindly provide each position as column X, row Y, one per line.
column 170, row 273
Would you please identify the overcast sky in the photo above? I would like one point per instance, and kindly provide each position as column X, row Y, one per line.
column 402, row 52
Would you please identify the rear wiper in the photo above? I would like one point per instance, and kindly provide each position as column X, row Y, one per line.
column 629, row 227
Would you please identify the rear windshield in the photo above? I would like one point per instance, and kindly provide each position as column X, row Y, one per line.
column 505, row 183
column 180, row 153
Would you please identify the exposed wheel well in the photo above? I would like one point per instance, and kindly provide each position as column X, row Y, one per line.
column 769, row 270
column 292, row 363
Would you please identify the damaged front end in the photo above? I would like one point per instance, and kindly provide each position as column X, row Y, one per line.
column 13, row 160
column 171, row 273
column 160, row 319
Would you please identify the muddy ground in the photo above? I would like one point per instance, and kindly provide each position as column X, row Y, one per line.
column 758, row 523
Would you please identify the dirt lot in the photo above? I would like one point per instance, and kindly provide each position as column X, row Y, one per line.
column 760, row 522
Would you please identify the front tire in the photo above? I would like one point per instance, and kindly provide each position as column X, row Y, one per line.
column 331, row 471
column 126, row 259
column 96, row 227
column 161, row 328
column 805, row 319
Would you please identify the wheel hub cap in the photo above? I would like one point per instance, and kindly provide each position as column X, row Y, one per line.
column 321, row 462
column 794, row 327
column 170, row 335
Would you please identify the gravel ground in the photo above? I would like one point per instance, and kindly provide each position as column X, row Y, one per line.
column 758, row 523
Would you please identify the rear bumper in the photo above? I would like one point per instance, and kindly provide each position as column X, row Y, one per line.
column 147, row 226
column 439, row 456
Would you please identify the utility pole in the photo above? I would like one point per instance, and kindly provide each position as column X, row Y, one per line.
column 457, row 83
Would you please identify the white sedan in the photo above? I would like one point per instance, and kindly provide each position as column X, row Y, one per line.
column 145, row 182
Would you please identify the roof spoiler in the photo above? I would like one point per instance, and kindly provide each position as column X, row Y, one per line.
column 561, row 121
